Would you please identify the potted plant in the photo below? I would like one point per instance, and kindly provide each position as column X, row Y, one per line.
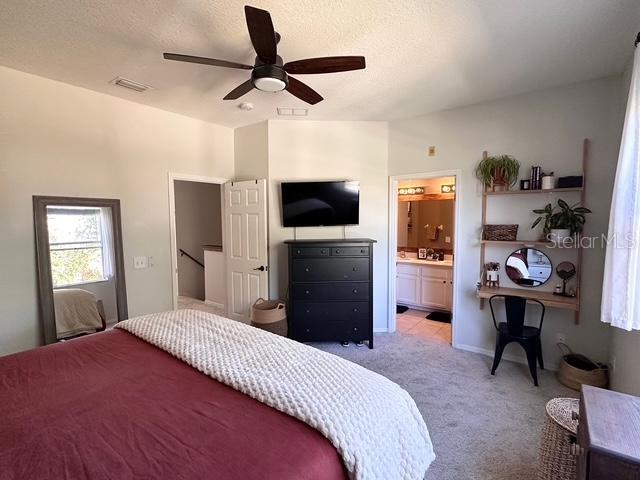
column 562, row 221
column 499, row 170
column 492, row 268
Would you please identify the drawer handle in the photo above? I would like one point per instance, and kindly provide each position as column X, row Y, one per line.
column 298, row 252
column 307, row 330
column 355, row 310
column 307, row 269
column 306, row 292
column 355, row 269
column 308, row 311
column 362, row 250
column 355, row 290
column 323, row 251
column 355, row 329
column 444, row 281
column 337, row 250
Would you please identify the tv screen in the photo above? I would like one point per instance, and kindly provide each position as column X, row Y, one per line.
column 311, row 204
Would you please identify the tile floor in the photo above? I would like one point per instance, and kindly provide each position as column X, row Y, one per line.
column 413, row 322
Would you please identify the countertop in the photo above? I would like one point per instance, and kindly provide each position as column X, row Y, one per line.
column 415, row 261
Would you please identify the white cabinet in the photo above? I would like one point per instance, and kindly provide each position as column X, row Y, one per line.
column 426, row 286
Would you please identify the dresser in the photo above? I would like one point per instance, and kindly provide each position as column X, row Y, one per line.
column 331, row 290
column 608, row 444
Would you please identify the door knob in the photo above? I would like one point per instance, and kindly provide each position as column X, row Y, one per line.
column 262, row 268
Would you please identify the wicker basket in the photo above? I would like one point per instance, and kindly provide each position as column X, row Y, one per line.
column 556, row 461
column 576, row 370
column 270, row 315
column 500, row 232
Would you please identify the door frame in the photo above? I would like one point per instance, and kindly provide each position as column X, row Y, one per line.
column 172, row 176
column 393, row 243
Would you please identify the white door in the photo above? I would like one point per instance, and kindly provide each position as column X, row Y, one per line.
column 245, row 213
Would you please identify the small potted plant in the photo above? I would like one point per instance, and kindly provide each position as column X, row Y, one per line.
column 498, row 171
column 493, row 279
column 562, row 221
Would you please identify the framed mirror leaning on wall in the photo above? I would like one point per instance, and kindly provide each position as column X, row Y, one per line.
column 80, row 265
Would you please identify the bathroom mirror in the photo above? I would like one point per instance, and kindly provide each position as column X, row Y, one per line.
column 80, row 265
column 426, row 223
column 528, row 267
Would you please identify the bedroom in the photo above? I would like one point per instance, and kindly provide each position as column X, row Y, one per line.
column 560, row 73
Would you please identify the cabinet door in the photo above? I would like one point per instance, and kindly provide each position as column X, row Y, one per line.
column 433, row 292
column 449, row 292
column 408, row 289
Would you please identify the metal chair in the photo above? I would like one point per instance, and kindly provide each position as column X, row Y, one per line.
column 514, row 330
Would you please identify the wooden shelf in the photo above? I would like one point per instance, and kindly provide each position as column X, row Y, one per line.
column 547, row 298
column 529, row 192
column 541, row 243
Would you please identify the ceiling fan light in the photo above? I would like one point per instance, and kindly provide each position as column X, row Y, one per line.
column 269, row 84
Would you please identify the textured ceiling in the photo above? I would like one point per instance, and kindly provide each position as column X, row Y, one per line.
column 422, row 55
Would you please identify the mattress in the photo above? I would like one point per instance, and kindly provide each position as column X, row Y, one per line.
column 110, row 405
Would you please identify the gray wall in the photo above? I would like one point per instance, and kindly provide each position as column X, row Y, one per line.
column 198, row 223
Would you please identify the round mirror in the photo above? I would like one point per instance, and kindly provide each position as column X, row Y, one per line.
column 528, row 267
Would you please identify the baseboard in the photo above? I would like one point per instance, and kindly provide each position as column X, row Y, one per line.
column 214, row 304
column 511, row 358
column 380, row 330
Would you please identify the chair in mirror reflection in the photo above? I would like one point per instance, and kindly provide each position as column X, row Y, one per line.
column 80, row 265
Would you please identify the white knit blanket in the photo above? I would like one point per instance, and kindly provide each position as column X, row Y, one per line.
column 372, row 422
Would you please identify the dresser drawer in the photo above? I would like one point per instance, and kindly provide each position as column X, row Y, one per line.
column 357, row 330
column 310, row 251
column 330, row 312
column 318, row 292
column 350, row 251
column 330, row 269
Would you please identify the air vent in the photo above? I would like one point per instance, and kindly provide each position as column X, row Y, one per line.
column 130, row 84
column 292, row 112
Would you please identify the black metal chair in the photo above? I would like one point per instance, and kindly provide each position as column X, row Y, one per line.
column 514, row 330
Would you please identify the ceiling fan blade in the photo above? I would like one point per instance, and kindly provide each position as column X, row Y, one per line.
column 239, row 91
column 263, row 36
column 324, row 65
column 205, row 61
column 303, row 92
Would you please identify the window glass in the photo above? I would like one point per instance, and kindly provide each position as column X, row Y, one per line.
column 75, row 243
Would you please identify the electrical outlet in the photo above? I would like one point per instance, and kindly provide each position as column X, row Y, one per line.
column 447, row 239
column 432, row 151
column 140, row 262
column 561, row 338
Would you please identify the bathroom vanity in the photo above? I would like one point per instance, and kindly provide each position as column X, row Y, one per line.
column 425, row 284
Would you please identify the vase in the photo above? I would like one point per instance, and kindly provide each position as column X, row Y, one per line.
column 559, row 234
column 548, row 182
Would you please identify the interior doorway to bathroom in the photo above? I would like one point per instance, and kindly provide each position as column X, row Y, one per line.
column 422, row 255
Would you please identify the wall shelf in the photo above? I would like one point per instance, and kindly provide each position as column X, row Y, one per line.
column 530, row 192
column 547, row 298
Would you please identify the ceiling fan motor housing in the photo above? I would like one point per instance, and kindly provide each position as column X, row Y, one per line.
column 269, row 78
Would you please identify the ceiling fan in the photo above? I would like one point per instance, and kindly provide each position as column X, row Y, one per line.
column 269, row 73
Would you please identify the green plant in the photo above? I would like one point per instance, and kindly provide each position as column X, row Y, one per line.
column 562, row 216
column 498, row 170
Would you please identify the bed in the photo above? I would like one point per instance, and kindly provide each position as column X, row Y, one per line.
column 112, row 405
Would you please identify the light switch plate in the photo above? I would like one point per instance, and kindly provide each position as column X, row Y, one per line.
column 140, row 262
column 447, row 239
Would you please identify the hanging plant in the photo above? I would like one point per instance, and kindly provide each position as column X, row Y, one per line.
column 500, row 170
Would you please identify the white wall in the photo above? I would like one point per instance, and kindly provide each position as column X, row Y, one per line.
column 57, row 139
column 198, row 223
column 251, row 150
column 546, row 128
column 308, row 150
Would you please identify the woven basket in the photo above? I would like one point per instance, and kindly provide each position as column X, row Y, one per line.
column 270, row 315
column 556, row 461
column 576, row 370
column 500, row 232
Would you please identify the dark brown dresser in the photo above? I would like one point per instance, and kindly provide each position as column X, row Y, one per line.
column 331, row 290
column 608, row 445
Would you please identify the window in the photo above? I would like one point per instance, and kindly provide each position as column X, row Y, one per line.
column 77, row 245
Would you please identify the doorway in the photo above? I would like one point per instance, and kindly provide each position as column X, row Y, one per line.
column 423, row 219
column 197, row 238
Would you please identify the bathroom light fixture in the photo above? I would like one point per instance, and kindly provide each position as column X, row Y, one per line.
column 411, row 191
column 447, row 189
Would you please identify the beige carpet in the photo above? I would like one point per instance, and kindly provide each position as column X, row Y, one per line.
column 483, row 427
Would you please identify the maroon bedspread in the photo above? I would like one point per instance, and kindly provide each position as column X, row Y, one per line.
column 110, row 406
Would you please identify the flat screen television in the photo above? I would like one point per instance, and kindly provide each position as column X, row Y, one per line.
column 312, row 204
